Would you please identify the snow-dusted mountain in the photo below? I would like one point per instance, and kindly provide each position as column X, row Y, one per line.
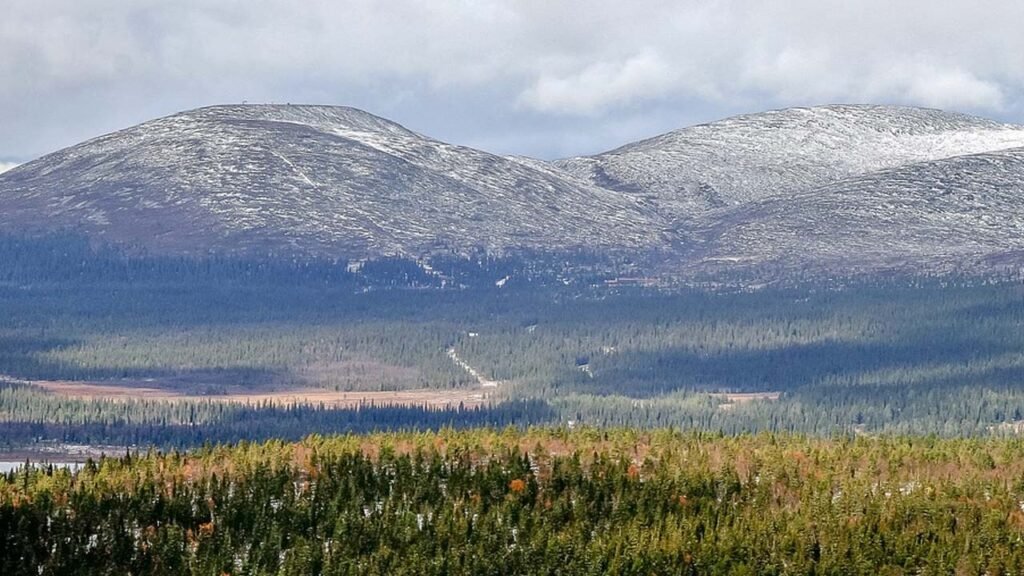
column 964, row 213
column 834, row 188
column 309, row 179
column 737, row 160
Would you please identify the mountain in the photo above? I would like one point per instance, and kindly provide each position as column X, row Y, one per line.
column 832, row 189
column 329, row 181
column 687, row 172
column 964, row 213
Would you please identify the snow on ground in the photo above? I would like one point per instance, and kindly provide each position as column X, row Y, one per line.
column 832, row 187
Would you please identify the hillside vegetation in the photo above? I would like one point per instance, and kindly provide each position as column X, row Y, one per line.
column 905, row 355
column 538, row 502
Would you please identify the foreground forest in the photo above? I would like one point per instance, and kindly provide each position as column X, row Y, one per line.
column 541, row 501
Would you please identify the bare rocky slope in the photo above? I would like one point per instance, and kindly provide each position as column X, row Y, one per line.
column 964, row 213
column 833, row 188
column 310, row 180
column 687, row 172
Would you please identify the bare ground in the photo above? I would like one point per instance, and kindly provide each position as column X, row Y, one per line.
column 151, row 389
column 360, row 374
column 733, row 399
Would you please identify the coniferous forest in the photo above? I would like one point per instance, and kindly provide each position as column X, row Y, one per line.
column 897, row 355
column 511, row 288
column 534, row 502
column 840, row 427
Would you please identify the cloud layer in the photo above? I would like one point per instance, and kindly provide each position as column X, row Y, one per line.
column 524, row 76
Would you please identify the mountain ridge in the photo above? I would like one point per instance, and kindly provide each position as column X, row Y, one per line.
column 748, row 157
column 797, row 187
column 321, row 179
column 954, row 209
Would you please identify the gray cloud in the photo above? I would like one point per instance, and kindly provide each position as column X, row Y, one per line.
column 515, row 76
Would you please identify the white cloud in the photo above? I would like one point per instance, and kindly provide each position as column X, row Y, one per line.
column 602, row 85
column 5, row 166
column 71, row 69
column 953, row 88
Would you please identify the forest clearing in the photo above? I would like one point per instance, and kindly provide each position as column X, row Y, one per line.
column 154, row 389
column 732, row 399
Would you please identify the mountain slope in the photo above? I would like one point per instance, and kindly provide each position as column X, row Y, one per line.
column 964, row 213
column 311, row 180
column 829, row 189
column 746, row 158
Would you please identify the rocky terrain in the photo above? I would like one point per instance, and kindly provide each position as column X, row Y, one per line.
column 777, row 153
column 960, row 213
column 310, row 180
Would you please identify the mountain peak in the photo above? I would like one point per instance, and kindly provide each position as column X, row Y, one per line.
column 316, row 180
column 754, row 156
column 798, row 184
column 313, row 115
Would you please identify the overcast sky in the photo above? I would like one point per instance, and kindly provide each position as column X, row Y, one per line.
column 548, row 78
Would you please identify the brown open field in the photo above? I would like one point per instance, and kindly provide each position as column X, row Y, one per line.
column 734, row 399
column 151, row 390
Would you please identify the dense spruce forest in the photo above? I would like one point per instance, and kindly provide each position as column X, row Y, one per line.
column 561, row 340
column 542, row 501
